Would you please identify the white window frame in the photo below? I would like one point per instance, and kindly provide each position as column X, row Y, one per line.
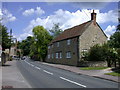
column 57, row 55
column 68, row 42
column 60, row 54
column 68, row 54
column 52, row 55
column 48, row 56
column 58, row 44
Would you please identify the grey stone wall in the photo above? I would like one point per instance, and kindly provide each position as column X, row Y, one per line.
column 91, row 36
column 63, row 48
column 93, row 64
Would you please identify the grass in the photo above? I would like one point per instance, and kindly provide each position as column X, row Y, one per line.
column 115, row 73
column 93, row 68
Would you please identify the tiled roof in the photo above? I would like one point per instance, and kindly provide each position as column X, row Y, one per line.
column 72, row 32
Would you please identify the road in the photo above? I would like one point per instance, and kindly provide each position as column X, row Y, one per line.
column 44, row 76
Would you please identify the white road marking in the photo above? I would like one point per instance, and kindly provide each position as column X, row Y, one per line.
column 32, row 65
column 48, row 72
column 37, row 68
column 72, row 82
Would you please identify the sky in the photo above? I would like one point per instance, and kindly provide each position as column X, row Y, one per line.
column 22, row 17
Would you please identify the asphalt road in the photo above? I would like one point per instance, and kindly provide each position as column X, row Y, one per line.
column 44, row 76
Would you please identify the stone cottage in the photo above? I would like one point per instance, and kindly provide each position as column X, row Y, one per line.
column 67, row 48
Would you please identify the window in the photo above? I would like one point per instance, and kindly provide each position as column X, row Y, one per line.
column 68, row 42
column 52, row 55
column 68, row 54
column 56, row 55
column 48, row 56
column 58, row 44
column 60, row 54
column 48, row 47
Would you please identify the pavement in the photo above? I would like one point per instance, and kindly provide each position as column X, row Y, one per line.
column 94, row 73
column 11, row 76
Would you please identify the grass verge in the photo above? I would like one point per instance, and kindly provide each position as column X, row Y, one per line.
column 93, row 68
column 116, row 73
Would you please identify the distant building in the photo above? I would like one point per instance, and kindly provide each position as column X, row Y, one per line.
column 13, row 51
column 68, row 47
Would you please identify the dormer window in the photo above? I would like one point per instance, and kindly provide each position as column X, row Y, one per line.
column 68, row 42
column 58, row 44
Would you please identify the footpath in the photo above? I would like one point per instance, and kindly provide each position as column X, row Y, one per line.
column 11, row 76
column 94, row 73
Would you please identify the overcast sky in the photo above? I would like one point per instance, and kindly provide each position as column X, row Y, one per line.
column 21, row 17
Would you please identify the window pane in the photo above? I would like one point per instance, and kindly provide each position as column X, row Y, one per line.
column 68, row 42
column 68, row 55
column 56, row 55
column 60, row 54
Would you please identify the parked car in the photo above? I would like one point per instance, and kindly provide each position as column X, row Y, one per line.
column 23, row 58
column 15, row 57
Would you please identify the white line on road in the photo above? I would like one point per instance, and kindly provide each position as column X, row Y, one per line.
column 48, row 72
column 32, row 65
column 37, row 68
column 72, row 82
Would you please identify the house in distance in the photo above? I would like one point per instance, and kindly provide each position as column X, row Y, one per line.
column 67, row 48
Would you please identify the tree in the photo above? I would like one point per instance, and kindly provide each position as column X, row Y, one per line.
column 56, row 30
column 25, row 45
column 42, row 39
column 4, row 37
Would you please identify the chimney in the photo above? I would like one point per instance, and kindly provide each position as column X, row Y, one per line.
column 93, row 17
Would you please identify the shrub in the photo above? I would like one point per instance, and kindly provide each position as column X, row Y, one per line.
column 101, row 53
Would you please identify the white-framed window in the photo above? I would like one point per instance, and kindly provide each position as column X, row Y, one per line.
column 68, row 42
column 52, row 55
column 68, row 54
column 58, row 44
column 56, row 55
column 48, row 47
column 48, row 56
column 60, row 54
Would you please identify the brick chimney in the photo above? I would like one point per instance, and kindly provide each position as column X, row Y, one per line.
column 93, row 17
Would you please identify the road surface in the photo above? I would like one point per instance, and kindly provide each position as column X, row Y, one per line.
column 44, row 76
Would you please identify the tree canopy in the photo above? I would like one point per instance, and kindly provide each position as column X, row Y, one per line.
column 4, row 37
column 56, row 30
column 42, row 39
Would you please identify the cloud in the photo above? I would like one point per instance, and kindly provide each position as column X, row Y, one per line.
column 31, row 11
column 110, row 30
column 110, row 16
column 1, row 14
column 67, row 19
column 7, row 16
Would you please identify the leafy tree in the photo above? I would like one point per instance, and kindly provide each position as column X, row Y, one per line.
column 4, row 37
column 42, row 39
column 25, row 45
column 56, row 30
column 114, row 41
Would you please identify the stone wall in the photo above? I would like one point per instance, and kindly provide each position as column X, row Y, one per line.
column 91, row 36
column 63, row 48
column 92, row 64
